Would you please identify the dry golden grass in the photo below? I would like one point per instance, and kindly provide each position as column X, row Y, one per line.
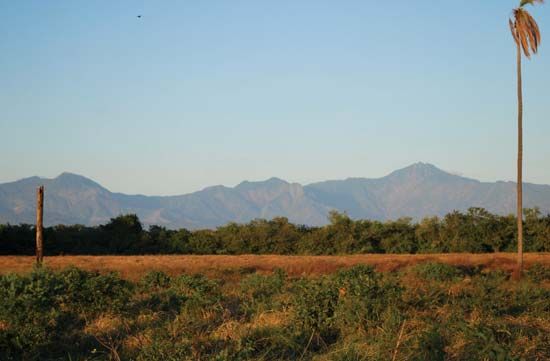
column 104, row 325
column 133, row 267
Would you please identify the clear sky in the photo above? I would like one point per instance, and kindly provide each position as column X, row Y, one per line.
column 197, row 93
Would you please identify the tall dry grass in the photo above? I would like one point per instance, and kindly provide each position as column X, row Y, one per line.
column 133, row 267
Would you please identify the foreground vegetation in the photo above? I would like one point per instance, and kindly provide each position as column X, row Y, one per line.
column 429, row 311
column 474, row 231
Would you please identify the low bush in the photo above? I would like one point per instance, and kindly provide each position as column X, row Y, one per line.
column 44, row 310
column 437, row 271
column 315, row 303
column 539, row 273
column 258, row 291
column 363, row 296
column 155, row 280
column 92, row 293
column 428, row 345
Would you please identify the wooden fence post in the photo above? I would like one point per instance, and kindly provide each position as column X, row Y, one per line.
column 39, row 225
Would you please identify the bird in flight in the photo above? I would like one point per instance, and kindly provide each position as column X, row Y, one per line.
column 139, row 16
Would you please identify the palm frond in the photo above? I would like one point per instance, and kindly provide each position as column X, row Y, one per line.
column 525, row 31
column 530, row 2
column 513, row 30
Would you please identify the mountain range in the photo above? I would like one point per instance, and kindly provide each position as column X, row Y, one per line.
column 417, row 191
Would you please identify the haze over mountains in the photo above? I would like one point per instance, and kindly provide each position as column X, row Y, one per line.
column 416, row 191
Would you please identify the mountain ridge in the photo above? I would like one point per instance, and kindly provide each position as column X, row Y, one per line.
column 419, row 190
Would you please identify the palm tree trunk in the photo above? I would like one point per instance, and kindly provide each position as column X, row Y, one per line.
column 39, row 225
column 520, row 167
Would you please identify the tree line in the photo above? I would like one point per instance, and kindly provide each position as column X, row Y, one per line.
column 475, row 230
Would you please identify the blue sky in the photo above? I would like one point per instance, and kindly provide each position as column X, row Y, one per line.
column 197, row 93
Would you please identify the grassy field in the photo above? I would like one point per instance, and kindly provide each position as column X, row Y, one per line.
column 426, row 310
column 134, row 267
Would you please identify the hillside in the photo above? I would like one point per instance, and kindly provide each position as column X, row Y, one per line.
column 416, row 191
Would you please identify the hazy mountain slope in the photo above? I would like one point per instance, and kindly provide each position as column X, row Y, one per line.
column 69, row 199
column 423, row 190
column 416, row 191
column 218, row 205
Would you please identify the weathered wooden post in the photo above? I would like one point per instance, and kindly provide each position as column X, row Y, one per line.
column 39, row 225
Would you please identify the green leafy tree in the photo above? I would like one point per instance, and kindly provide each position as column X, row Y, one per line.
column 122, row 233
column 428, row 235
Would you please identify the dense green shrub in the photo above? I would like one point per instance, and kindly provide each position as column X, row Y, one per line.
column 315, row 303
column 528, row 297
column 363, row 297
column 257, row 291
column 155, row 280
column 166, row 301
column 262, row 287
column 437, row 271
column 428, row 345
column 483, row 343
column 92, row 293
column 30, row 306
column 197, row 289
column 46, row 307
column 485, row 293
column 539, row 273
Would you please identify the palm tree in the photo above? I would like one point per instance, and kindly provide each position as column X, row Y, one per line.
column 527, row 37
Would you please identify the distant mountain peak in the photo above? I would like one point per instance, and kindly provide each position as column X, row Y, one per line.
column 273, row 181
column 419, row 171
column 423, row 166
column 69, row 175
column 75, row 180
